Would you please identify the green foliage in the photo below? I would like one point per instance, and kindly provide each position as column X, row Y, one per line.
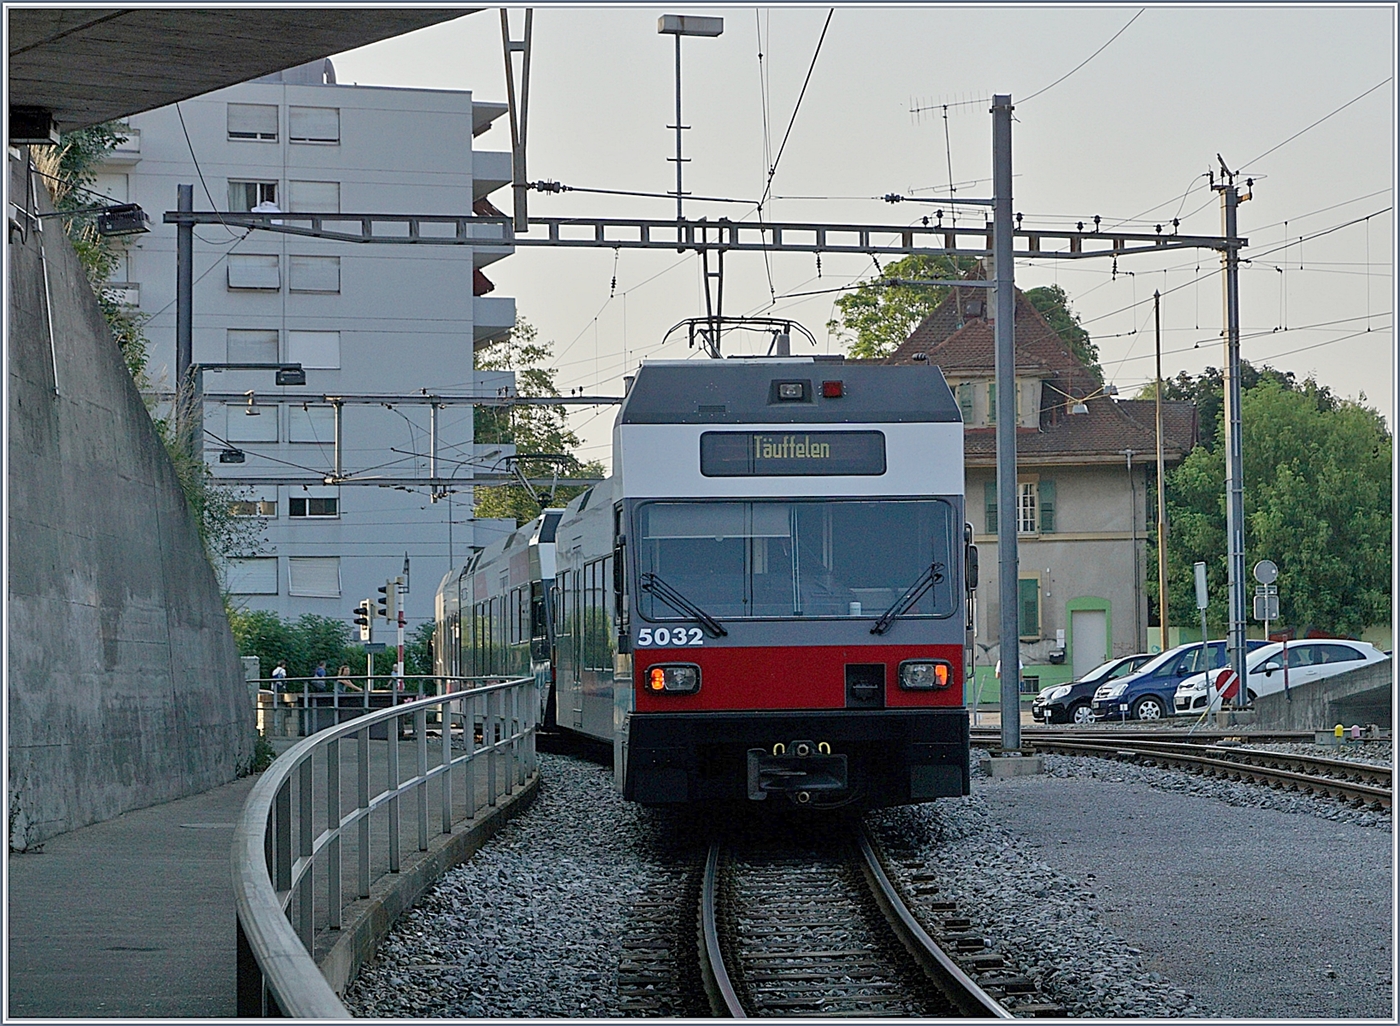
column 531, row 429
column 310, row 639
column 1208, row 393
column 69, row 171
column 1317, row 502
column 1052, row 304
column 878, row 316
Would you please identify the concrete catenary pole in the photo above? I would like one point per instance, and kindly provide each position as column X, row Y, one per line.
column 1009, row 632
column 191, row 433
column 1234, row 451
column 1161, row 487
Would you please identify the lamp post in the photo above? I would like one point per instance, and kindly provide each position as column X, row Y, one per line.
column 287, row 374
column 684, row 25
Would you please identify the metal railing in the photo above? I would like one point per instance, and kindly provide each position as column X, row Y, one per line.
column 297, row 706
column 312, row 812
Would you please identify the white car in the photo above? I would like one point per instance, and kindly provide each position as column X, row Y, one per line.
column 1309, row 660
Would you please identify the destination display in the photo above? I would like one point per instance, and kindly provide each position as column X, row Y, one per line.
column 792, row 453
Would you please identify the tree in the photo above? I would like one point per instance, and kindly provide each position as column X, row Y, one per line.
column 1052, row 304
column 540, row 431
column 69, row 171
column 1316, row 502
column 1208, row 393
column 880, row 314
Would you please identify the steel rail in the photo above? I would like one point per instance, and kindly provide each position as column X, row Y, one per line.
column 957, row 985
column 1310, row 764
column 718, row 988
column 992, row 735
column 1226, row 766
column 274, row 858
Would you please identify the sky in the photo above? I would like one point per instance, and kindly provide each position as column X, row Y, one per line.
column 1120, row 112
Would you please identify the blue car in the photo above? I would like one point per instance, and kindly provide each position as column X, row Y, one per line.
column 1149, row 693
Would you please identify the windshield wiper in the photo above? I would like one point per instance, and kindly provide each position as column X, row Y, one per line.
column 926, row 580
column 669, row 595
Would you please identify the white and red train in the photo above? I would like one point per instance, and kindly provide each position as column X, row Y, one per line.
column 767, row 597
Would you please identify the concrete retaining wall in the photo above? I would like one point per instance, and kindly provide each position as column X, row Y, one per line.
column 125, row 687
column 1359, row 696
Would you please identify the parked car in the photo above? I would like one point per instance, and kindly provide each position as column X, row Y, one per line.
column 1149, row 694
column 1069, row 703
column 1308, row 661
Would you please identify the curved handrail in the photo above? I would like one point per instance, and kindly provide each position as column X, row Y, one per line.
column 288, row 969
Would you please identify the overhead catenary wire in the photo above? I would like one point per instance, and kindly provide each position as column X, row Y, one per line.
column 1086, row 60
column 772, row 170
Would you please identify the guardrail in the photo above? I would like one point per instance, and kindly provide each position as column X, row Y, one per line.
column 311, row 810
column 297, row 706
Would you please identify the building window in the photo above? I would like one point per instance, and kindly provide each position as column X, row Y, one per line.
column 113, row 185
column 314, row 350
column 254, row 271
column 250, row 423
column 311, row 424
column 253, row 508
column 314, row 197
column 1029, row 610
column 244, row 196
column 989, row 495
column 1026, row 521
column 253, row 576
column 314, row 576
column 313, row 124
column 252, row 345
column 992, row 401
column 311, row 507
column 314, row 273
column 252, row 121
column 965, row 393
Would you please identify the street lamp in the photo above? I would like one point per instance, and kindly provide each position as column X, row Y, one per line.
column 684, row 25
column 287, row 374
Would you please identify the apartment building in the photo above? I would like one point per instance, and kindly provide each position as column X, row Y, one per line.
column 361, row 319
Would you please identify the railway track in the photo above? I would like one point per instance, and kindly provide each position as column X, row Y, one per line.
column 801, row 930
column 1352, row 782
column 990, row 737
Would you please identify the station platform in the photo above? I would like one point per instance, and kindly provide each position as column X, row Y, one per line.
column 134, row 917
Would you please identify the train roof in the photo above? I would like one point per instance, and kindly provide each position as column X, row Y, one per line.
column 745, row 391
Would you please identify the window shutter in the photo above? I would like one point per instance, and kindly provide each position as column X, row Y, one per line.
column 252, row 121
column 990, row 494
column 311, row 424
column 252, row 345
column 965, row 401
column 313, row 124
column 252, row 576
column 314, row 576
column 992, row 401
column 315, row 350
column 1047, row 506
column 314, row 273
column 1030, row 607
column 261, row 427
column 253, row 271
column 314, row 197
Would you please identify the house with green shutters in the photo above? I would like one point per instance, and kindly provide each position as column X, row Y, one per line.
column 1085, row 459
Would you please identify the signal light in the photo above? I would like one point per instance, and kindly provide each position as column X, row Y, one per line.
column 362, row 619
column 925, row 675
column 674, row 678
column 833, row 389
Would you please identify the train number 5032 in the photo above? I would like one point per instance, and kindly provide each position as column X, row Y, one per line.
column 670, row 636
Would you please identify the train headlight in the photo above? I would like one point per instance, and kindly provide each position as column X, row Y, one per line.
column 925, row 674
column 674, row 678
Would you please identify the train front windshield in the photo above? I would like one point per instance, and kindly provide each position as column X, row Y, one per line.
column 813, row 558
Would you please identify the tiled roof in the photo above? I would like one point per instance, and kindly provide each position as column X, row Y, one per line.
column 1100, row 436
column 964, row 345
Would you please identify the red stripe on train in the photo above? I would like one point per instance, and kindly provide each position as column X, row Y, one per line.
column 797, row 677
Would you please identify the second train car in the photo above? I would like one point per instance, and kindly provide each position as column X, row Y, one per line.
column 769, row 597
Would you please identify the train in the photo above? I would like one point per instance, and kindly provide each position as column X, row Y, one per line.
column 769, row 597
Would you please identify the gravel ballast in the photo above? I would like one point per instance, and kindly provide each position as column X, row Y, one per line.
column 1119, row 892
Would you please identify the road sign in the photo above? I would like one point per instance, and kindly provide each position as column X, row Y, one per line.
column 1227, row 684
column 1202, row 601
column 1266, row 572
column 1266, row 602
column 376, row 646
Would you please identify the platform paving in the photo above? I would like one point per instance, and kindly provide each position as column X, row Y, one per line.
column 134, row 917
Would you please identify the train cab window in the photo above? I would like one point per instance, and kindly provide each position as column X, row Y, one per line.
column 846, row 558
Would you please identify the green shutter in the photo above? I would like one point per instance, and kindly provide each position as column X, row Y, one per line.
column 992, row 400
column 965, row 401
column 1030, row 607
column 1047, row 506
column 991, row 506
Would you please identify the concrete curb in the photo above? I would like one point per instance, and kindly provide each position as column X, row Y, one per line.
column 369, row 921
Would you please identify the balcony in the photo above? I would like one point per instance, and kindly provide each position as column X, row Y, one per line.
column 492, row 317
column 490, row 171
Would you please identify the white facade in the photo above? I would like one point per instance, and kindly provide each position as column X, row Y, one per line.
column 361, row 319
